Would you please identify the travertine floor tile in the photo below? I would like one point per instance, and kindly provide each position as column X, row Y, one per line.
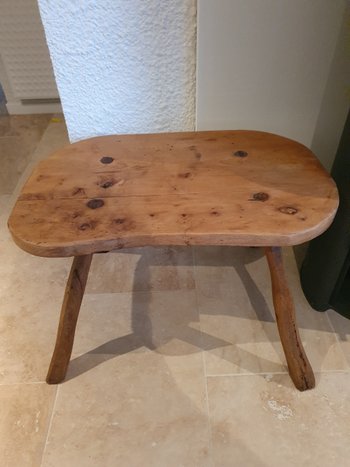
column 4, row 209
column 341, row 326
column 31, row 292
column 235, row 303
column 14, row 157
column 113, row 324
column 28, row 323
column 124, row 404
column 260, row 421
column 54, row 137
column 25, row 413
column 317, row 334
column 142, row 269
column 32, row 126
column 19, row 136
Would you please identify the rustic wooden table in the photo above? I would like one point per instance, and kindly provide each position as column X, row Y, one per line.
column 241, row 188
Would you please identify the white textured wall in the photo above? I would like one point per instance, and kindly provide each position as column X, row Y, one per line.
column 264, row 64
column 123, row 66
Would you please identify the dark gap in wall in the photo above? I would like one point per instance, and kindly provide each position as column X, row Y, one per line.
column 3, row 109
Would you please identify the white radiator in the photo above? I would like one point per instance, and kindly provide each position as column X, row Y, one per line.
column 24, row 53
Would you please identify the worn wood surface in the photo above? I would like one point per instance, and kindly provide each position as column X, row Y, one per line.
column 69, row 315
column 221, row 187
column 299, row 367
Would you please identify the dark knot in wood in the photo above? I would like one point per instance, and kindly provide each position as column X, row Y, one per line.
column 95, row 203
column 240, row 154
column 185, row 175
column 288, row 210
column 78, row 191
column 85, row 226
column 107, row 184
column 261, row 196
column 106, row 160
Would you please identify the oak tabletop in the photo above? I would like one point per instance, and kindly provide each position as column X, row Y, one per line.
column 245, row 188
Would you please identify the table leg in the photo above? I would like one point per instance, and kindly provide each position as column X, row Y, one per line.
column 68, row 319
column 299, row 367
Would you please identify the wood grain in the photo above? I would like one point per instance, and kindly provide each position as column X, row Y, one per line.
column 299, row 367
column 68, row 319
column 242, row 188
column 222, row 187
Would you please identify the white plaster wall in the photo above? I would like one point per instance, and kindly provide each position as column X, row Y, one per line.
column 123, row 66
column 264, row 64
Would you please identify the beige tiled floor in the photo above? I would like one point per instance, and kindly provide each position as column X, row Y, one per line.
column 176, row 362
column 19, row 135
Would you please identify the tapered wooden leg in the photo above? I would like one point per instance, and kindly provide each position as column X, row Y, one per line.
column 69, row 315
column 299, row 367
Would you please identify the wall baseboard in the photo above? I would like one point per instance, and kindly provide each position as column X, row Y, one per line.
column 23, row 108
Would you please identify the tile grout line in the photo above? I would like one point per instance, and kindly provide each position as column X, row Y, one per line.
column 209, row 427
column 50, row 425
column 21, row 383
column 230, row 375
column 267, row 373
column 132, row 292
column 210, row 430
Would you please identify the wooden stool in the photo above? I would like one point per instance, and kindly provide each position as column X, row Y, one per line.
column 243, row 188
